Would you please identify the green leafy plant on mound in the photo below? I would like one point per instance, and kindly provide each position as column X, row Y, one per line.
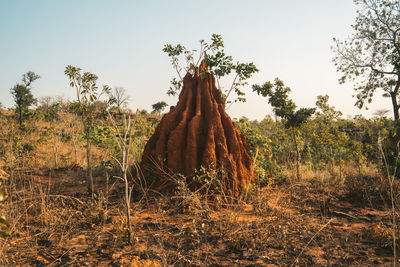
column 219, row 63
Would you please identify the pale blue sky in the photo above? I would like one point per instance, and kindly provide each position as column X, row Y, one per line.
column 121, row 42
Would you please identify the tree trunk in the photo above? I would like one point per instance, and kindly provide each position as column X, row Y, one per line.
column 128, row 200
column 55, row 153
column 297, row 154
column 255, row 156
column 20, row 118
column 396, row 138
column 89, row 165
column 393, row 95
column 75, row 151
column 340, row 164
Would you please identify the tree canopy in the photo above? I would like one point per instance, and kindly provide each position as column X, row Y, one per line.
column 370, row 58
column 278, row 97
column 22, row 94
column 159, row 106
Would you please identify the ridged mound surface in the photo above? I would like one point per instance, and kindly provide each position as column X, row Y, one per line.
column 198, row 132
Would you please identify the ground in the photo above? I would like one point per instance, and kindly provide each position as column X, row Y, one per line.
column 54, row 222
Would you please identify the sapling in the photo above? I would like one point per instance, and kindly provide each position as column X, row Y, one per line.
column 122, row 136
column 278, row 97
column 87, row 95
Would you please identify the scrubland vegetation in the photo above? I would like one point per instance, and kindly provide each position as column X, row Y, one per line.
column 337, row 213
column 326, row 191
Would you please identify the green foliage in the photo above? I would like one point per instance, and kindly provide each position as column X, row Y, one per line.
column 370, row 58
column 260, row 147
column 88, row 106
column 48, row 109
column 22, row 94
column 142, row 130
column 278, row 97
column 159, row 106
column 326, row 141
column 88, row 102
column 102, row 136
column 86, row 88
column 220, row 64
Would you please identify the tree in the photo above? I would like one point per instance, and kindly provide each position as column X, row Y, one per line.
column 49, row 107
column 278, row 97
column 22, row 94
column 370, row 59
column 218, row 62
column 87, row 96
column 120, row 97
column 381, row 113
column 159, row 106
column 45, row 102
column 328, row 140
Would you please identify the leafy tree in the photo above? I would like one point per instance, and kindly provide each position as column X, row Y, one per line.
column 49, row 108
column 381, row 113
column 328, row 142
column 45, row 102
column 218, row 62
column 22, row 94
column 278, row 97
column 87, row 96
column 370, row 59
column 159, row 106
column 259, row 145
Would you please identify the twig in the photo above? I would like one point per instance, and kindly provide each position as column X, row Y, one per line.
column 312, row 238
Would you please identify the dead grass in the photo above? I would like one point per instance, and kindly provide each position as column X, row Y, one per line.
column 278, row 225
column 320, row 221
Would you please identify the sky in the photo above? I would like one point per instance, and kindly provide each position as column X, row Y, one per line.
column 121, row 41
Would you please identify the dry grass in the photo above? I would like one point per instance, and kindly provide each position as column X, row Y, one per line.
column 278, row 225
column 320, row 221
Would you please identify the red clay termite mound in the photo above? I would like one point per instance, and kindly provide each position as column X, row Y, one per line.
column 197, row 133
